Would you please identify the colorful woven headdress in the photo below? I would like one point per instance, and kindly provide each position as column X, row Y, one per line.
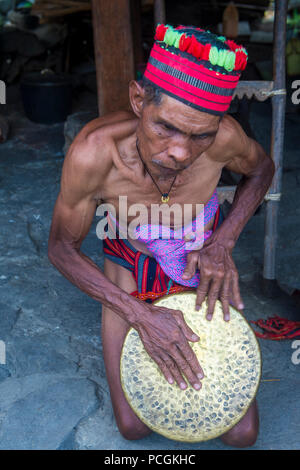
column 196, row 67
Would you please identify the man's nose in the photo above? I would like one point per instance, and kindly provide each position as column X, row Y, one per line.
column 179, row 150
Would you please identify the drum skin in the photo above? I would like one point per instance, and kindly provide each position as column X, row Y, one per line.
column 230, row 357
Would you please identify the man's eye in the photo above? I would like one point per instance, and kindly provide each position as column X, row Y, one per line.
column 199, row 137
column 165, row 126
column 168, row 128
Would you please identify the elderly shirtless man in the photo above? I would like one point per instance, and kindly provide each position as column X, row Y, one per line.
column 174, row 144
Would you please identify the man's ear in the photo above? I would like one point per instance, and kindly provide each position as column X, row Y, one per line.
column 136, row 96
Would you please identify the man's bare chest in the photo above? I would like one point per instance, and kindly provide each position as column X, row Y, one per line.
column 195, row 182
column 129, row 197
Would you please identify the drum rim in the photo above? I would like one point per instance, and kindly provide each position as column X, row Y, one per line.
column 244, row 412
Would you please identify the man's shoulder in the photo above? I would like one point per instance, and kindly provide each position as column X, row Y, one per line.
column 103, row 130
column 93, row 147
column 231, row 138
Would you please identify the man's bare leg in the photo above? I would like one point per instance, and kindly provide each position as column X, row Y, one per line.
column 114, row 330
column 244, row 433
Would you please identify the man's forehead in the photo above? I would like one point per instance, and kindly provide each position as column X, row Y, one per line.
column 184, row 117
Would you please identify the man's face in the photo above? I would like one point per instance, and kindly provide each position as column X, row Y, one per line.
column 173, row 135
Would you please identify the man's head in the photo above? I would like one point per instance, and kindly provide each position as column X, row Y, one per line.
column 186, row 89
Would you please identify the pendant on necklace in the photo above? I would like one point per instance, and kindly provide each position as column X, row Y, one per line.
column 165, row 198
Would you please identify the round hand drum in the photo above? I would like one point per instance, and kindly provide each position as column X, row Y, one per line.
column 229, row 355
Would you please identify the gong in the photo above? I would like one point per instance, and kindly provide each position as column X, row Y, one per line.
column 230, row 357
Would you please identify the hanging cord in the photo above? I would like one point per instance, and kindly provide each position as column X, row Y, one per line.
column 272, row 197
column 279, row 91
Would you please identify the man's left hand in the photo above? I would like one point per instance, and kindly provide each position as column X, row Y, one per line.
column 218, row 277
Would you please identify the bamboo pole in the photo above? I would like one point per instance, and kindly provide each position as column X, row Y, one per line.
column 277, row 139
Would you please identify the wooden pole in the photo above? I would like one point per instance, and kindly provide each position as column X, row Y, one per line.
column 113, row 53
column 136, row 13
column 159, row 12
column 277, row 139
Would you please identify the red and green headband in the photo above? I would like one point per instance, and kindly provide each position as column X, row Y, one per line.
column 196, row 66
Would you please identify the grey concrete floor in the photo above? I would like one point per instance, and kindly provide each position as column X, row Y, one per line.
column 53, row 390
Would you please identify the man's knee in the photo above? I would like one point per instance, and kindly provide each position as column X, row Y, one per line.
column 245, row 432
column 132, row 428
column 241, row 437
column 250, row 437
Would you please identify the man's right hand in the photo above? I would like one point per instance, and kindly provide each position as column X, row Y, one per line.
column 165, row 336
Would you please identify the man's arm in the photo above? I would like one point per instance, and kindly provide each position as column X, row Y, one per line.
column 72, row 218
column 218, row 273
column 258, row 170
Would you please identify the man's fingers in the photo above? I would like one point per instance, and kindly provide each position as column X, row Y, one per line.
column 236, row 292
column 192, row 361
column 202, row 291
column 188, row 358
column 171, row 363
column 191, row 266
column 225, row 297
column 185, row 367
column 213, row 296
column 164, row 368
column 173, row 369
column 163, row 361
column 187, row 331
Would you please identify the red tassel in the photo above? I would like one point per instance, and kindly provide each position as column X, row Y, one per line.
column 240, row 60
column 206, row 51
column 195, row 48
column 237, row 60
column 198, row 49
column 184, row 42
column 190, row 49
column 244, row 63
column 233, row 46
column 160, row 32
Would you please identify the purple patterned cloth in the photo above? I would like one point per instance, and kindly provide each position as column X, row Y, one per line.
column 171, row 247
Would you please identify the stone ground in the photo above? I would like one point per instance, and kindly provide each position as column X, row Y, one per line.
column 53, row 390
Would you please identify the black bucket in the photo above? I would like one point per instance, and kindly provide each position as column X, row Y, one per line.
column 47, row 97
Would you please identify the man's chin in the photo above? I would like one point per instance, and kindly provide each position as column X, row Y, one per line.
column 165, row 171
column 169, row 172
